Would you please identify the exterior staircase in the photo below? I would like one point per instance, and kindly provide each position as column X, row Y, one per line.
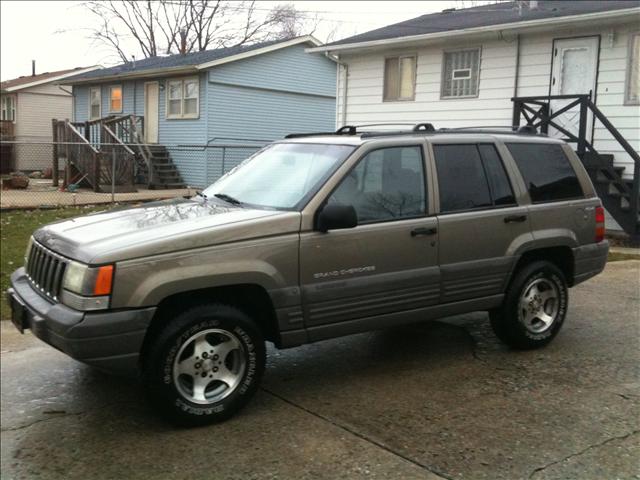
column 137, row 163
column 619, row 195
column 614, row 190
column 164, row 173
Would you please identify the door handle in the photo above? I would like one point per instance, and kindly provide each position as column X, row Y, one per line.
column 424, row 231
column 515, row 218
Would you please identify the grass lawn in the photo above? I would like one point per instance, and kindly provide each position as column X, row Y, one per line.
column 16, row 226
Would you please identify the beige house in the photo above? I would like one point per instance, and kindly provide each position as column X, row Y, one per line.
column 27, row 106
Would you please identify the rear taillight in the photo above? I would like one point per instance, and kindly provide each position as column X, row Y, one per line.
column 600, row 230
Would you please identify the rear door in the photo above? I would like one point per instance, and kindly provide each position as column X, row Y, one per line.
column 558, row 205
column 388, row 263
column 479, row 220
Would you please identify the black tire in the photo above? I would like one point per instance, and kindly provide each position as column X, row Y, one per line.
column 164, row 386
column 509, row 322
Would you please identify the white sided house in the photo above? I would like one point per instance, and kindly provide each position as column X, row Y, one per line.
column 570, row 68
column 28, row 104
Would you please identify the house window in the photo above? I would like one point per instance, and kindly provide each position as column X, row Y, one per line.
column 632, row 92
column 8, row 108
column 460, row 73
column 115, row 99
column 399, row 78
column 183, row 98
column 94, row 103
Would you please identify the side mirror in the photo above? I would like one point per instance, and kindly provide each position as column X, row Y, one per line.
column 333, row 217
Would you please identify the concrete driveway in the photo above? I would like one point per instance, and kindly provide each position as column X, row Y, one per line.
column 437, row 400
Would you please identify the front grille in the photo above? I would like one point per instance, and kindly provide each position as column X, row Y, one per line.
column 45, row 270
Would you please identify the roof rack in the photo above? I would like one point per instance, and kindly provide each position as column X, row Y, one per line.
column 501, row 129
column 419, row 128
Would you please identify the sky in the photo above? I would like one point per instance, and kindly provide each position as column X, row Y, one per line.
column 54, row 33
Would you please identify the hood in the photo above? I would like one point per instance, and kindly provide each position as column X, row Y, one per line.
column 161, row 227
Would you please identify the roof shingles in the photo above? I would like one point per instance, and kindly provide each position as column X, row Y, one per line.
column 487, row 15
column 27, row 79
column 171, row 61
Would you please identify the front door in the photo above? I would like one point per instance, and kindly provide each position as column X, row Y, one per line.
column 575, row 65
column 151, row 97
column 352, row 278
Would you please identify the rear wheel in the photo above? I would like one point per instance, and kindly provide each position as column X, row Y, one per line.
column 534, row 308
column 205, row 365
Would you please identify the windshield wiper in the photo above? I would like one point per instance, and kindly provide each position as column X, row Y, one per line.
column 228, row 198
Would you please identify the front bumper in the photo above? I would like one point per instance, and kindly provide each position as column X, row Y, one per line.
column 109, row 340
column 590, row 260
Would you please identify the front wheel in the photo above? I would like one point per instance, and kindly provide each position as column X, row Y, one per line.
column 205, row 365
column 534, row 308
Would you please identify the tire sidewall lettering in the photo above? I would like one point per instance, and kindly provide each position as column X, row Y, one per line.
column 243, row 387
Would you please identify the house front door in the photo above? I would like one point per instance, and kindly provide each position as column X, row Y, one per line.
column 151, row 97
column 574, row 70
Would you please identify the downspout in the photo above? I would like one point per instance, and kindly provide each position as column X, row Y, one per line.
column 344, row 93
column 73, row 101
column 344, row 88
column 515, row 83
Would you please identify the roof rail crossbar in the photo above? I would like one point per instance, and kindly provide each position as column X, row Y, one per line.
column 528, row 129
column 346, row 130
column 424, row 127
column 510, row 129
column 313, row 134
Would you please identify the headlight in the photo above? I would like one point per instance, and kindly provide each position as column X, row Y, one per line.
column 28, row 252
column 87, row 288
column 74, row 277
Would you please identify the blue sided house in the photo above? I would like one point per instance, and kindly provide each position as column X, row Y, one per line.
column 186, row 108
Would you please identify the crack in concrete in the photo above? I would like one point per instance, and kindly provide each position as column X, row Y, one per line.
column 55, row 415
column 474, row 344
column 361, row 436
column 627, row 396
column 581, row 452
column 41, row 420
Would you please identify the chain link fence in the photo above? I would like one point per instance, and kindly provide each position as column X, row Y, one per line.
column 45, row 174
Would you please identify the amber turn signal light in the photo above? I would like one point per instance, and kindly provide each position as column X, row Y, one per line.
column 104, row 280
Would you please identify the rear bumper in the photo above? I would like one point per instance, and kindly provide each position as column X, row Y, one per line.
column 590, row 260
column 108, row 340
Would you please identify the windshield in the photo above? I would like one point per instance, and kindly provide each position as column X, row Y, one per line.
column 281, row 176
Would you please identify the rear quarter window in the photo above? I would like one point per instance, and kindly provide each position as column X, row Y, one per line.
column 546, row 171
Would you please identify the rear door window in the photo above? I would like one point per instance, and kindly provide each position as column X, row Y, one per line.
column 471, row 177
column 501, row 190
column 546, row 171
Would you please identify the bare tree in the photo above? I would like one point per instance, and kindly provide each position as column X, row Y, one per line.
column 184, row 26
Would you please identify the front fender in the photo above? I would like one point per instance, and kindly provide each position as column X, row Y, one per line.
column 270, row 263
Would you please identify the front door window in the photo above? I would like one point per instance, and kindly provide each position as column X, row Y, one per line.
column 387, row 184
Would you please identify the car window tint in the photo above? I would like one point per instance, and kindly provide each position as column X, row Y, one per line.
column 461, row 178
column 501, row 190
column 386, row 184
column 546, row 171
